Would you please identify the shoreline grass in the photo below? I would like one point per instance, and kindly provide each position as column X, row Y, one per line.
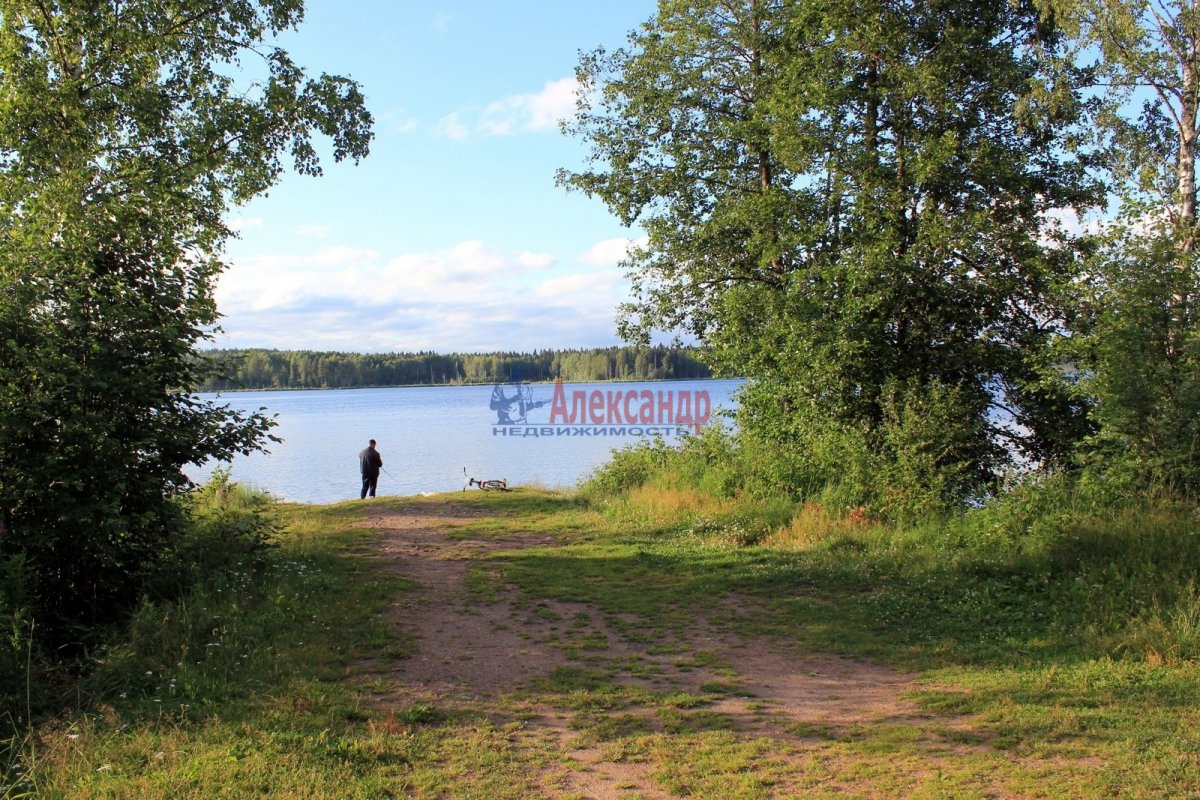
column 1065, row 635
column 220, row 688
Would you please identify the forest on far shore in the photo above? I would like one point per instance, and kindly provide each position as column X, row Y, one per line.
column 308, row 369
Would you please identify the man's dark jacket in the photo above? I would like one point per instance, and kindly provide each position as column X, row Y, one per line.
column 370, row 462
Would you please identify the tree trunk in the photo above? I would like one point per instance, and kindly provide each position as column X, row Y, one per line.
column 1186, row 179
column 765, row 176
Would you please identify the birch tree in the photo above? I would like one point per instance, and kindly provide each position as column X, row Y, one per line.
column 847, row 202
column 1139, row 343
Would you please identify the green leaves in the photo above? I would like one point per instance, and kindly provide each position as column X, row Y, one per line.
column 127, row 130
column 843, row 197
column 1134, row 342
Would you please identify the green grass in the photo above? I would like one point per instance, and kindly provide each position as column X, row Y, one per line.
column 241, row 690
column 1055, row 649
column 1075, row 641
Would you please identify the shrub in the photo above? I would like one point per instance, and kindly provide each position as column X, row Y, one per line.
column 223, row 534
column 229, row 528
column 18, row 657
column 628, row 468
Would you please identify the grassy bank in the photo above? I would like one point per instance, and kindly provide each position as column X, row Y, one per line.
column 1054, row 642
column 236, row 687
column 1068, row 640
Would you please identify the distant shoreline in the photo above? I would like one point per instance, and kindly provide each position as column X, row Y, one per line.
column 462, row 384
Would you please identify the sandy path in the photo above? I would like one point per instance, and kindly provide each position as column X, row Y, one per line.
column 475, row 653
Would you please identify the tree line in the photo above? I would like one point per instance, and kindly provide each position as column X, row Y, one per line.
column 256, row 368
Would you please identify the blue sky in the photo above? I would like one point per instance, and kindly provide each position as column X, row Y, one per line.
column 451, row 236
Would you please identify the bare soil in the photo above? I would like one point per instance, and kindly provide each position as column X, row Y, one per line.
column 479, row 652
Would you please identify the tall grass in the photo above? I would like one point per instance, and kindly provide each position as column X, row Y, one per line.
column 219, row 549
column 229, row 530
column 249, row 623
column 1058, row 561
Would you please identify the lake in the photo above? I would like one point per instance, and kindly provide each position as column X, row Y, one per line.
column 428, row 435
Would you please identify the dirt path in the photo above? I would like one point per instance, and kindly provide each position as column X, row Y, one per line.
column 478, row 652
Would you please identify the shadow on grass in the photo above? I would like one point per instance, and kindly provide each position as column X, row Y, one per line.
column 916, row 610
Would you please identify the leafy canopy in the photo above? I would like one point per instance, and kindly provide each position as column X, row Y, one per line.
column 126, row 134
column 849, row 203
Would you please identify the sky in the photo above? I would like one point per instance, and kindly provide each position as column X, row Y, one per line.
column 452, row 235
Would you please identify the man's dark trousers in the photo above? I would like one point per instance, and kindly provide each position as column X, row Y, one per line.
column 369, row 482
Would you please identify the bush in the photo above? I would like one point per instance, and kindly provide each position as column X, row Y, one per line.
column 229, row 528
column 1140, row 369
column 223, row 535
column 707, row 462
column 927, row 456
column 932, row 453
column 628, row 468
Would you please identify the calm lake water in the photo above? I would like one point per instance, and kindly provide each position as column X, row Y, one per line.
column 427, row 435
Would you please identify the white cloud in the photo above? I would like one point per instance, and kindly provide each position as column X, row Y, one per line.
column 565, row 290
column 1066, row 222
column 539, row 111
column 471, row 296
column 470, row 263
column 245, row 223
column 451, row 127
column 519, row 113
column 314, row 231
column 610, row 251
column 535, row 260
column 397, row 121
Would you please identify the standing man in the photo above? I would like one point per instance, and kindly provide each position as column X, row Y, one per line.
column 369, row 463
